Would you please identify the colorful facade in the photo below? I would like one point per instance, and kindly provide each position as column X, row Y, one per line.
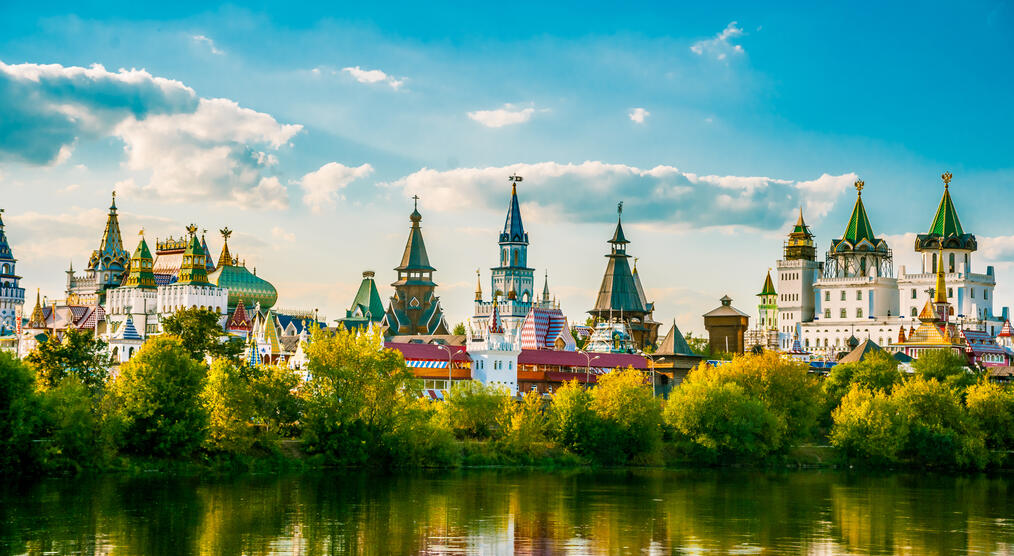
column 12, row 295
column 106, row 266
column 415, row 308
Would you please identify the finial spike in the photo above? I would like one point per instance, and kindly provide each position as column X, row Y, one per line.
column 619, row 207
column 947, row 179
column 859, row 186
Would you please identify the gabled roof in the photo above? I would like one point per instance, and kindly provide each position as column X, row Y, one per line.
column 367, row 303
column 674, row 343
column 239, row 320
column 946, row 222
column 861, row 351
column 128, row 332
column 769, row 286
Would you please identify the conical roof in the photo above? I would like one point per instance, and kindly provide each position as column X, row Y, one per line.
column 367, row 302
column 674, row 343
column 801, row 229
column 194, row 269
column 946, row 222
column 38, row 319
column 415, row 257
column 513, row 228
column 5, row 248
column 859, row 227
column 769, row 286
column 209, row 262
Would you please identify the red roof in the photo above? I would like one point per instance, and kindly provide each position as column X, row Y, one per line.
column 429, row 352
column 577, row 359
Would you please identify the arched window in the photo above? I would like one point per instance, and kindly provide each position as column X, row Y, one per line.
column 951, row 262
column 827, row 313
column 915, row 312
column 515, row 257
column 934, row 263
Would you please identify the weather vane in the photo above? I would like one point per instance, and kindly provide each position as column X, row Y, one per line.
column 515, row 178
column 619, row 207
column 859, row 186
column 947, row 179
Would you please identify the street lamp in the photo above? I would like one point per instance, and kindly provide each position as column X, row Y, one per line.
column 450, row 364
column 651, row 358
column 587, row 367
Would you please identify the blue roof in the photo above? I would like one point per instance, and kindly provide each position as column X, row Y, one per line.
column 513, row 228
column 129, row 331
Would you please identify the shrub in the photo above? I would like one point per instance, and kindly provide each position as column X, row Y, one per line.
column 19, row 416
column 991, row 412
column 418, row 439
column 629, row 418
column 939, row 430
column 229, row 400
column 869, row 425
column 472, row 410
column 572, row 422
column 79, row 354
column 947, row 366
column 73, row 428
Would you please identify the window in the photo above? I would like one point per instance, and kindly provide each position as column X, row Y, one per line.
column 827, row 296
column 915, row 295
column 915, row 312
column 972, row 292
column 859, row 313
column 951, row 263
column 985, row 294
column 844, row 313
column 843, row 295
column 950, row 292
column 859, row 295
column 862, row 266
column 934, row 263
column 827, row 313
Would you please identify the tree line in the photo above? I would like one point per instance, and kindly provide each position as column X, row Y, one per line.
column 61, row 411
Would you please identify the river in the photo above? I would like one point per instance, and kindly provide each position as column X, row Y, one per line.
column 503, row 512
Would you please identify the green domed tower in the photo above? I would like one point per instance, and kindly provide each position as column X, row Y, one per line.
column 241, row 283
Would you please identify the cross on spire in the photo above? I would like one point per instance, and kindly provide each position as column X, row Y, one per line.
column 415, row 198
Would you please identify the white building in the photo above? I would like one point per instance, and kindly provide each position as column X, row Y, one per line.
column 494, row 352
column 12, row 295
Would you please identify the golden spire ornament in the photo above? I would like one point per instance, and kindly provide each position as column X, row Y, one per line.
column 859, row 186
column 947, row 179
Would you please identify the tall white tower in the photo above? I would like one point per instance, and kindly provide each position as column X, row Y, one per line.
column 798, row 270
column 12, row 296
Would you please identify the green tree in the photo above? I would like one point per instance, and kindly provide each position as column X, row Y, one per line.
column 524, row 424
column 940, row 432
column 459, row 329
column 356, row 393
column 276, row 398
column 201, row 334
column 419, row 439
column 879, row 371
column 19, row 411
column 991, row 410
column 79, row 353
column 73, row 427
column 947, row 366
column 869, row 425
column 720, row 422
column 572, row 421
column 472, row 410
column 631, row 417
column 155, row 402
column 229, row 400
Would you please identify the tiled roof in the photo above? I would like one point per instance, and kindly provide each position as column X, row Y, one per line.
column 578, row 359
column 428, row 352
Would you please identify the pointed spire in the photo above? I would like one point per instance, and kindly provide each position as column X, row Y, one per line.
column 940, row 296
column 5, row 248
column 209, row 264
column 901, row 335
column 478, row 285
column 618, row 239
column 415, row 257
column 769, row 286
column 38, row 319
column 225, row 259
column 859, row 227
column 110, row 254
column 495, row 324
column 545, row 289
column 513, row 228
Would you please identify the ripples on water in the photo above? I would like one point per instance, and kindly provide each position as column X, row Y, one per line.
column 504, row 512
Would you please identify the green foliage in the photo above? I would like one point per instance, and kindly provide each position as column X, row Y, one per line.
column 277, row 403
column 154, row 406
column 19, row 416
column 418, row 439
column 357, row 392
column 715, row 421
column 702, row 346
column 472, row 410
column 459, row 329
column 947, row 366
column 79, row 353
column 879, row 371
column 524, row 424
column 200, row 333
column 940, row 433
column 73, row 427
column 572, row 421
column 229, row 400
column 991, row 411
column 869, row 425
column 630, row 417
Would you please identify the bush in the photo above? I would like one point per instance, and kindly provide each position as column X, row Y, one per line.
column 74, row 430
column 629, row 418
column 716, row 422
column 19, row 417
column 572, row 422
column 79, row 354
column 155, row 404
column 879, row 371
column 869, row 425
column 277, row 403
column 939, row 430
column 991, row 412
column 419, row 439
column 472, row 410
column 525, row 426
column 947, row 366
column 229, row 400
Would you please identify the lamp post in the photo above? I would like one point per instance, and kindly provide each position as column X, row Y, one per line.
column 450, row 364
column 587, row 367
column 651, row 359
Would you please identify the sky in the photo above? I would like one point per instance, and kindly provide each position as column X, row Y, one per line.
column 307, row 129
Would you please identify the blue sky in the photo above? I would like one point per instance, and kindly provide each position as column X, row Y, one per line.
column 307, row 128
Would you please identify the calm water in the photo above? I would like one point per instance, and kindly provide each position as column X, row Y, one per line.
column 497, row 512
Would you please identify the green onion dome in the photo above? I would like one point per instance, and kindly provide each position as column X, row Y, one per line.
column 243, row 285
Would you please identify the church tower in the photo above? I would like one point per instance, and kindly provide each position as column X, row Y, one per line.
column 135, row 301
column 414, row 308
column 105, row 269
column 798, row 269
column 12, row 296
column 513, row 280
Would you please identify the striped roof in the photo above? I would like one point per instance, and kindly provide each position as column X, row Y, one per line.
column 541, row 328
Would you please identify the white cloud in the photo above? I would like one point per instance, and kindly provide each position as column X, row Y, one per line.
column 321, row 187
column 371, row 76
column 183, row 148
column 508, row 115
column 720, row 47
column 638, row 115
column 663, row 195
column 70, row 188
column 204, row 40
column 280, row 233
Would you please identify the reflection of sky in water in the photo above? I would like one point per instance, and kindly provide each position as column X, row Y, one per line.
column 523, row 512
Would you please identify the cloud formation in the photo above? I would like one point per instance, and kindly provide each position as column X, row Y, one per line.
column 509, row 114
column 720, row 47
column 206, row 41
column 190, row 148
column 322, row 187
column 372, row 76
column 637, row 115
column 660, row 195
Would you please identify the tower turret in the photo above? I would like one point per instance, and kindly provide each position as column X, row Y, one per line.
column 194, row 267
column 414, row 308
column 141, row 275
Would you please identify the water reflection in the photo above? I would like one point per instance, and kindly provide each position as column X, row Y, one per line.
column 512, row 512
